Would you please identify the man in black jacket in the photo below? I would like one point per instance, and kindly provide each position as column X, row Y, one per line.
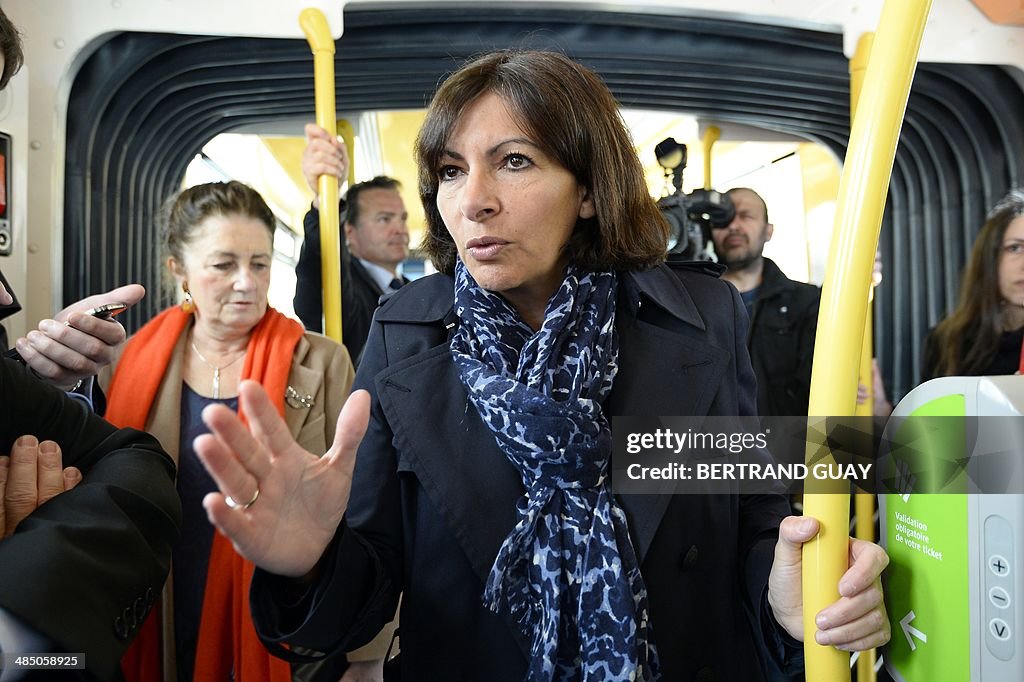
column 783, row 313
column 376, row 237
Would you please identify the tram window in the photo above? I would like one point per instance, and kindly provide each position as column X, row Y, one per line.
column 799, row 180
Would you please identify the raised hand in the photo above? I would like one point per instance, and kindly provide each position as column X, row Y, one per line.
column 857, row 621
column 32, row 475
column 323, row 155
column 73, row 345
column 278, row 504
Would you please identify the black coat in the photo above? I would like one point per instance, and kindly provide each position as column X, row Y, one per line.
column 360, row 293
column 86, row 567
column 433, row 498
column 7, row 311
column 781, row 342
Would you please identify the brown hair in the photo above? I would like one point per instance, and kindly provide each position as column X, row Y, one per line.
column 352, row 195
column 196, row 204
column 10, row 47
column 968, row 338
column 569, row 113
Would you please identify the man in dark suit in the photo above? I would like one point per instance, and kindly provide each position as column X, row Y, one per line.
column 376, row 242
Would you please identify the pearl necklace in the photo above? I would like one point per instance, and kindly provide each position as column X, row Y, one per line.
column 216, row 370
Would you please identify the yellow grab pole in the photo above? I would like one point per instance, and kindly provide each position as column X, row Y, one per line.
column 348, row 136
column 858, row 67
column 866, row 409
column 314, row 25
column 864, row 503
column 711, row 136
column 862, row 192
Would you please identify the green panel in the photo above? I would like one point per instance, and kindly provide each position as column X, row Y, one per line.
column 926, row 537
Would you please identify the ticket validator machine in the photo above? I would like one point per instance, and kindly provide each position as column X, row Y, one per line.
column 954, row 588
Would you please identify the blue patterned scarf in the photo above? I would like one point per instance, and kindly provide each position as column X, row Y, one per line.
column 567, row 573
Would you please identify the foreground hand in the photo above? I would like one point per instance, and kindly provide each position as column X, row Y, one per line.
column 31, row 476
column 857, row 621
column 323, row 155
column 73, row 346
column 301, row 497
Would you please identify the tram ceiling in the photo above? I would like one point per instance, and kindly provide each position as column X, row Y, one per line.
column 143, row 105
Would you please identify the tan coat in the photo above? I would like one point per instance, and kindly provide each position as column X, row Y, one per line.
column 321, row 370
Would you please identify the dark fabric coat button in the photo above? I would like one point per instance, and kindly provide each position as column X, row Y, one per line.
column 140, row 609
column 690, row 558
column 130, row 620
column 119, row 628
column 150, row 596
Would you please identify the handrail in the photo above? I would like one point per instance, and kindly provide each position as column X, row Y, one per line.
column 864, row 503
column 314, row 25
column 711, row 136
column 862, row 192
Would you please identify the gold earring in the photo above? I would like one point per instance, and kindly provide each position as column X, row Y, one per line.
column 187, row 306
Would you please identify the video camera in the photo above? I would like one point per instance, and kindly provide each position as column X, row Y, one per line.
column 691, row 216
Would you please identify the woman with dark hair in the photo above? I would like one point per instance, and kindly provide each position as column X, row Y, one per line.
column 481, row 488
column 983, row 335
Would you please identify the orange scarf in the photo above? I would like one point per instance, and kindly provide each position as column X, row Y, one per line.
column 226, row 622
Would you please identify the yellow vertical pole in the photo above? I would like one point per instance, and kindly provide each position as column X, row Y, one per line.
column 862, row 192
column 858, row 67
column 318, row 34
column 348, row 136
column 711, row 136
column 864, row 503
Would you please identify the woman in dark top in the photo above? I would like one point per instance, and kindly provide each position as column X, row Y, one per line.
column 983, row 335
column 481, row 492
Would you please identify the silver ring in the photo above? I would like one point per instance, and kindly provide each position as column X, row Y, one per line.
column 230, row 501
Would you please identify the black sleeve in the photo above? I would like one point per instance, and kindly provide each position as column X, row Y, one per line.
column 85, row 567
column 760, row 516
column 805, row 358
column 358, row 581
column 308, row 299
column 806, row 331
column 7, row 310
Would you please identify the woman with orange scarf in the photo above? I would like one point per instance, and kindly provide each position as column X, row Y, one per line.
column 220, row 241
